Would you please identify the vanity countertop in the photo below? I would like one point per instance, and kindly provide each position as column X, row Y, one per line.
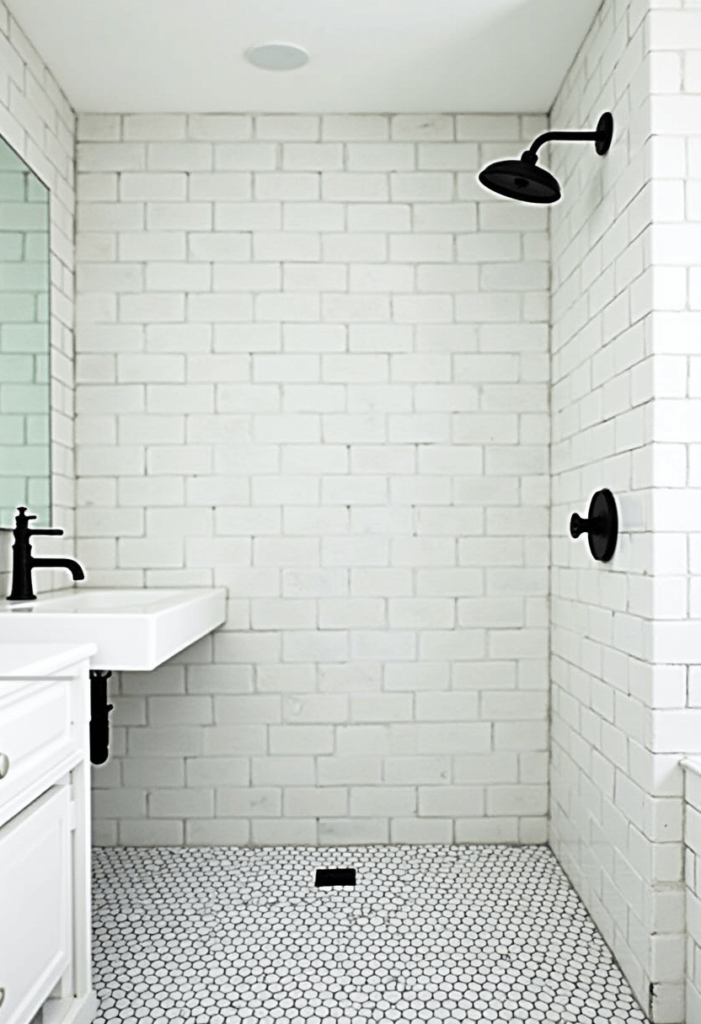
column 18, row 660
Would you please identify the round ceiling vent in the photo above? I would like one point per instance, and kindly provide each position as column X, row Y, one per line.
column 278, row 56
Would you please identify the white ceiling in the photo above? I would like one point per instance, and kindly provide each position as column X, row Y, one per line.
column 366, row 55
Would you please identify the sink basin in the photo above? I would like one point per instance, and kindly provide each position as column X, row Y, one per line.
column 133, row 630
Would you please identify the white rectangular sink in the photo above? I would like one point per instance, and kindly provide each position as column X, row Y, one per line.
column 133, row 630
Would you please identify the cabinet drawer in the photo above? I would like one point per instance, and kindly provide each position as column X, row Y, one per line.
column 35, row 732
column 35, row 897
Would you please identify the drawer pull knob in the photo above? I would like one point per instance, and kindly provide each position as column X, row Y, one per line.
column 4, row 769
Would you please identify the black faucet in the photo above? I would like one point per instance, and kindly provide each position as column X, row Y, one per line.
column 23, row 561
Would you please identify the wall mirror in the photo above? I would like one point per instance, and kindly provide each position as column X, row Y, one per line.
column 25, row 400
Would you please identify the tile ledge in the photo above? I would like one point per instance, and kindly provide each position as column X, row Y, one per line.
column 692, row 764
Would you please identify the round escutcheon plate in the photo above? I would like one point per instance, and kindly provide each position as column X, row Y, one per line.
column 603, row 525
column 604, row 131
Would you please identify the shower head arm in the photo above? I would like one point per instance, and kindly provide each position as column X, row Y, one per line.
column 601, row 137
column 561, row 137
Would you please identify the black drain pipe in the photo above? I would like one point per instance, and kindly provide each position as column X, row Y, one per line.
column 99, row 716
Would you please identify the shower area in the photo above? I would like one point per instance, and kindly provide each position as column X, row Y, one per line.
column 319, row 363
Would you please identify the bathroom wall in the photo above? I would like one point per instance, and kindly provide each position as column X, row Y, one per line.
column 37, row 120
column 312, row 367
column 625, row 328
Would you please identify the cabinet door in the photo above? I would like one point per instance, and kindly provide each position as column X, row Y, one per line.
column 35, row 904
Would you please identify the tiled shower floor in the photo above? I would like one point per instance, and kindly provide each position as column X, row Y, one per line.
column 429, row 933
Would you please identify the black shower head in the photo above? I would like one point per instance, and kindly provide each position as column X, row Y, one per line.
column 523, row 179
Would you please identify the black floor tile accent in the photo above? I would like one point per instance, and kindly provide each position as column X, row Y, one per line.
column 335, row 876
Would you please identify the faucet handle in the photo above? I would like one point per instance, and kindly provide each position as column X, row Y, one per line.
column 21, row 519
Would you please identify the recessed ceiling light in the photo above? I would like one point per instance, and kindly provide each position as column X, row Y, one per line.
column 277, row 56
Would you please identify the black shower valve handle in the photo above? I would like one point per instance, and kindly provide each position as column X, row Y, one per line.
column 601, row 525
column 578, row 526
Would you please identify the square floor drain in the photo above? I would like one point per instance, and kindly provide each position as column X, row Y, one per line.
column 335, row 876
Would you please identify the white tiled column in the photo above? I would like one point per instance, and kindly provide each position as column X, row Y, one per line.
column 674, row 246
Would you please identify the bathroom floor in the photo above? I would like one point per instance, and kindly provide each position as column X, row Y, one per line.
column 428, row 933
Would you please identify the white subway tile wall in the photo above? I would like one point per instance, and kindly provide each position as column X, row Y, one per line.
column 601, row 642
column 37, row 120
column 312, row 367
column 625, row 330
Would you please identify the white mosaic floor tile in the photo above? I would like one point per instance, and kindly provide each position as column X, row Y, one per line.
column 209, row 935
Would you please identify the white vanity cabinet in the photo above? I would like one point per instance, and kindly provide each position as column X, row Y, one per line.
column 45, row 834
